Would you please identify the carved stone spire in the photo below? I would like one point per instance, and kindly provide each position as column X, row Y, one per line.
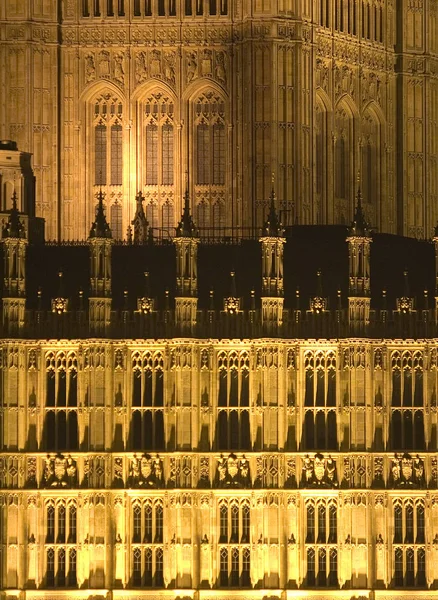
column 100, row 227
column 359, row 226
column 14, row 227
column 272, row 226
column 186, row 227
column 139, row 221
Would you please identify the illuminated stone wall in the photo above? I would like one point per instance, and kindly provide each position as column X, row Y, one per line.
column 218, row 469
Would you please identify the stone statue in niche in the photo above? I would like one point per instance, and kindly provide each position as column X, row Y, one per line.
column 104, row 64
column 169, row 66
column 206, row 67
column 118, row 472
column 119, row 71
column 90, row 68
column 146, row 472
column 155, row 63
column 319, row 472
column 59, row 471
column 407, row 472
column 233, row 472
column 140, row 67
column 220, row 67
column 72, row 471
column 192, row 67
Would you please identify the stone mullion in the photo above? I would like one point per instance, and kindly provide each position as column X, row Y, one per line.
column 4, row 86
column 129, row 189
column 67, row 137
column 42, row 73
column 237, row 104
column 246, row 109
column 432, row 163
column 180, row 142
column 304, row 126
column 388, row 210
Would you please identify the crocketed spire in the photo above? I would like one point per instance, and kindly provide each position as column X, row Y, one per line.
column 359, row 226
column 14, row 228
column 139, row 221
column 186, row 227
column 272, row 226
column 100, row 227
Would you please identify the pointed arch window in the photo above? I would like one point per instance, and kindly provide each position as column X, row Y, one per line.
column 168, row 219
column 218, row 215
column 320, row 428
column 407, row 418
column 147, row 418
column 159, row 140
column 210, row 140
column 152, row 214
column 203, row 214
column 116, row 219
column 108, row 141
column 233, row 431
column 60, row 418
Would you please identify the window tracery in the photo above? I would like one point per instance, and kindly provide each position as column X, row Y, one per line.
column 210, row 139
column 61, row 418
column 147, row 543
column 408, row 544
column 343, row 153
column 108, row 141
column 147, row 404
column 370, row 167
column 319, row 428
column 321, row 543
column 321, row 157
column 159, row 113
column 234, row 540
column 233, row 432
column 60, row 539
column 407, row 419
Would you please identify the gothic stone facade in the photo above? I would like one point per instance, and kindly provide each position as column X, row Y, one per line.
column 219, row 469
column 131, row 94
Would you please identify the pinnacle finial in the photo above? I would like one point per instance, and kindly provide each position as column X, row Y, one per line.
column 359, row 226
column 406, row 283
column 186, row 227
column 233, row 289
column 100, row 227
column 14, row 228
column 139, row 221
column 272, row 226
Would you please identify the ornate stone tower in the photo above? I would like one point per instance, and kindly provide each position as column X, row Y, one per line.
column 186, row 242
column 14, row 244
column 100, row 242
column 272, row 242
column 359, row 290
column 236, row 89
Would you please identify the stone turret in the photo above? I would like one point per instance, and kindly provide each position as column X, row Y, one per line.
column 186, row 242
column 359, row 288
column 272, row 241
column 100, row 242
column 14, row 243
